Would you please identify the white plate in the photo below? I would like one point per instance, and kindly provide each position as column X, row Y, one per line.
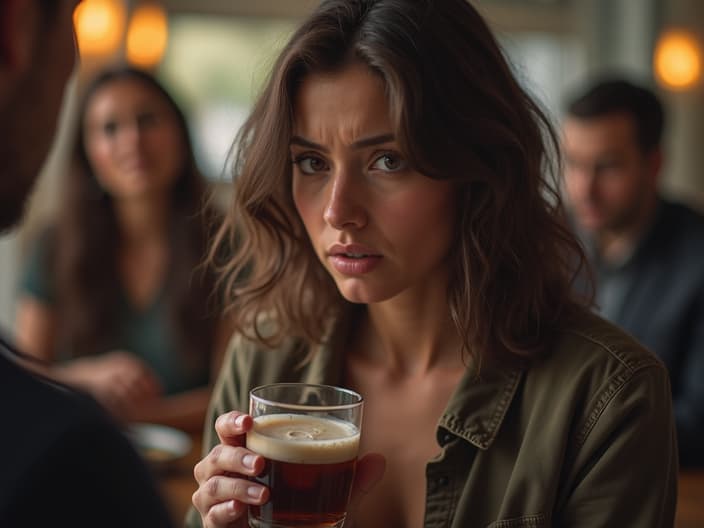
column 159, row 444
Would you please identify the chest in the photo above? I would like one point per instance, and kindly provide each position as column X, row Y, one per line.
column 143, row 272
column 400, row 422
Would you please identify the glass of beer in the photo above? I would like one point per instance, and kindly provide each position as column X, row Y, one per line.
column 309, row 436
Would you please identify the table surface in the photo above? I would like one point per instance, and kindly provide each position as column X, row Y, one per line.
column 177, row 485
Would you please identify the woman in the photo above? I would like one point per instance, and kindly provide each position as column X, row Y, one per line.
column 114, row 286
column 403, row 238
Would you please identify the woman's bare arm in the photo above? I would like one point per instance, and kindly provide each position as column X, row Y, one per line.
column 36, row 328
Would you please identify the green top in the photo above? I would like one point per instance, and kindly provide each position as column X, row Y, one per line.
column 147, row 333
column 581, row 438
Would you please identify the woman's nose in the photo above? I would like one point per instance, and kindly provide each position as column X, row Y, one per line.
column 131, row 134
column 345, row 207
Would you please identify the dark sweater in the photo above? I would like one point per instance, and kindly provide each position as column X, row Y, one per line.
column 64, row 463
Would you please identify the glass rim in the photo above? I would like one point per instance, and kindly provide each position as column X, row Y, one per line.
column 307, row 407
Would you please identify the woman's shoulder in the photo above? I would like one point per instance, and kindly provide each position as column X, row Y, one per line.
column 589, row 339
column 251, row 361
column 259, row 349
column 598, row 378
column 592, row 365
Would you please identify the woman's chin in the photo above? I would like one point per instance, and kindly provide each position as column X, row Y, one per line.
column 359, row 295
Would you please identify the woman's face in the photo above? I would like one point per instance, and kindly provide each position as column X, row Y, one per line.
column 380, row 228
column 132, row 140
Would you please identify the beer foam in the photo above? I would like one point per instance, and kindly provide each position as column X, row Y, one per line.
column 303, row 439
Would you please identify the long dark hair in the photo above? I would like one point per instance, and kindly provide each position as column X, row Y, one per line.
column 458, row 113
column 83, row 246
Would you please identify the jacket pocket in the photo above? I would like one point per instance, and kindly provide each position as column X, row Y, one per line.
column 529, row 521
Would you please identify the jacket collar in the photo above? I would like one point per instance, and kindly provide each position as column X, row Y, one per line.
column 479, row 404
column 476, row 409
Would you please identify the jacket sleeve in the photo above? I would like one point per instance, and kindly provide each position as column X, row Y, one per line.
column 226, row 397
column 626, row 473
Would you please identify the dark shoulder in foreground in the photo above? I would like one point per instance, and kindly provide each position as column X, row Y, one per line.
column 65, row 463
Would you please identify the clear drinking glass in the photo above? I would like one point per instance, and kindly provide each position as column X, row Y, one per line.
column 309, row 436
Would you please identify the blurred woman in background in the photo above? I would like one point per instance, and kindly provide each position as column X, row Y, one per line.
column 114, row 287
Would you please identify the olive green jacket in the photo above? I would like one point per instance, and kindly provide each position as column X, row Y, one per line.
column 582, row 438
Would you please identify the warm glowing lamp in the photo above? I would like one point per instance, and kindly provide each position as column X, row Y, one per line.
column 99, row 26
column 147, row 35
column 678, row 60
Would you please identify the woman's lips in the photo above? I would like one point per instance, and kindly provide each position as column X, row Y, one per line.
column 353, row 259
column 354, row 265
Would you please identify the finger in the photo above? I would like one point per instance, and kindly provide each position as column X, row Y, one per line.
column 231, row 427
column 370, row 470
column 143, row 388
column 219, row 489
column 150, row 380
column 144, row 383
column 113, row 393
column 123, row 392
column 223, row 514
column 224, row 459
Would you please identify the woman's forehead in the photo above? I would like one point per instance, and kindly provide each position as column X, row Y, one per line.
column 352, row 99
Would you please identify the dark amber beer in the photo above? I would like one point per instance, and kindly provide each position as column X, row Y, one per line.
column 309, row 470
column 310, row 457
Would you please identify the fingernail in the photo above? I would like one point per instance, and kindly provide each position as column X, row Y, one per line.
column 232, row 508
column 239, row 421
column 248, row 461
column 255, row 492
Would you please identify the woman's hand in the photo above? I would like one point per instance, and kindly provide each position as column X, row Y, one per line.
column 119, row 380
column 370, row 470
column 223, row 489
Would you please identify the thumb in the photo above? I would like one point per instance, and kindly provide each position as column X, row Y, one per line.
column 370, row 470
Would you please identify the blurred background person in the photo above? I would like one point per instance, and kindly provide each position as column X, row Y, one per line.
column 64, row 463
column 114, row 286
column 647, row 252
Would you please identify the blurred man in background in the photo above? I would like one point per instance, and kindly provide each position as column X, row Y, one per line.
column 647, row 253
column 63, row 462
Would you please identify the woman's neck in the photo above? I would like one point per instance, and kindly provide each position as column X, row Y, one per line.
column 411, row 335
column 142, row 221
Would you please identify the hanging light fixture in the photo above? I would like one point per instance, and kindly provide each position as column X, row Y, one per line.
column 678, row 60
column 147, row 35
column 99, row 26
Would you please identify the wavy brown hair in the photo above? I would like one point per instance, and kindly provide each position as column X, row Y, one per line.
column 84, row 244
column 458, row 113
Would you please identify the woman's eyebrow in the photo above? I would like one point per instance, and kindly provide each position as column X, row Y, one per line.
column 360, row 143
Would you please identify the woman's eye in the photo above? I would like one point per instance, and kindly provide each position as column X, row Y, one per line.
column 389, row 163
column 110, row 128
column 310, row 164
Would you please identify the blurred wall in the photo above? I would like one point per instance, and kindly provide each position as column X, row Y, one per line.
column 685, row 133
